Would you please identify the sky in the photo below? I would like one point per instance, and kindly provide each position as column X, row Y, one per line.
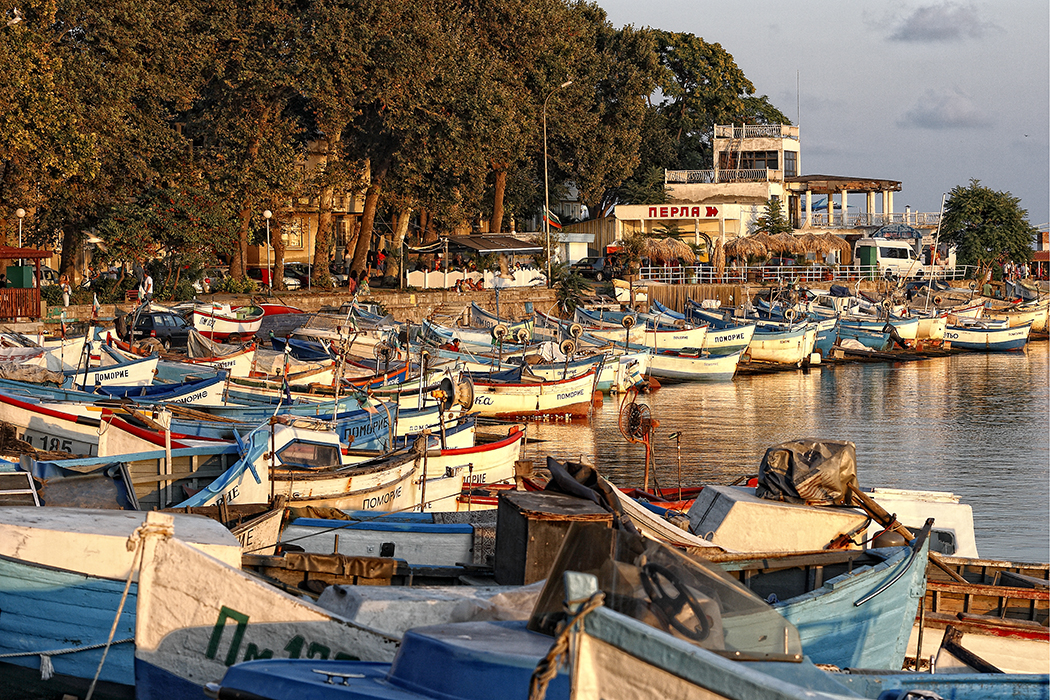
column 932, row 94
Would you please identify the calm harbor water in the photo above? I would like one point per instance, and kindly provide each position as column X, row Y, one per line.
column 974, row 424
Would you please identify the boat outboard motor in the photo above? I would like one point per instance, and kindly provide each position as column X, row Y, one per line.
column 895, row 335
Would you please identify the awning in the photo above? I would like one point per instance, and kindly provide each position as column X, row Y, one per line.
column 13, row 253
column 504, row 245
column 897, row 231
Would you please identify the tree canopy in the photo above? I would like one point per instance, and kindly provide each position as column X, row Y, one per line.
column 125, row 118
column 988, row 228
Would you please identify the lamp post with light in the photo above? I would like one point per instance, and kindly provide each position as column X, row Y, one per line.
column 269, row 271
column 21, row 214
column 546, row 184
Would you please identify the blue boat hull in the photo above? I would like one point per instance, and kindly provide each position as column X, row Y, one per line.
column 46, row 609
column 870, row 339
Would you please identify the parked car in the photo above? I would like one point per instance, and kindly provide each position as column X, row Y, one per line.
column 299, row 271
column 210, row 279
column 592, row 267
column 170, row 329
column 261, row 277
column 48, row 276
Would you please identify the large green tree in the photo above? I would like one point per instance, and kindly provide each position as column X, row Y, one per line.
column 988, row 228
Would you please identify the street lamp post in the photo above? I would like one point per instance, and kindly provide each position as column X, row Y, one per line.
column 21, row 214
column 546, row 184
column 269, row 272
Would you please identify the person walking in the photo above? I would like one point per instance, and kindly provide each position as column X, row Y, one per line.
column 66, row 290
column 146, row 288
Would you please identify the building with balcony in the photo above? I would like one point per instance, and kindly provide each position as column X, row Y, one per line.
column 755, row 163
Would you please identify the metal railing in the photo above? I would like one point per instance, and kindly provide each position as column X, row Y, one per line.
column 756, row 131
column 704, row 274
column 914, row 218
column 707, row 177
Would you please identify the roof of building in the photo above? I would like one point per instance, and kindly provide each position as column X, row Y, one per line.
column 8, row 252
column 827, row 184
column 507, row 245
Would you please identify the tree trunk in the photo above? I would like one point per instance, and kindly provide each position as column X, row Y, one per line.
column 368, row 216
column 320, row 274
column 277, row 281
column 393, row 258
column 239, row 263
column 70, row 245
column 496, row 222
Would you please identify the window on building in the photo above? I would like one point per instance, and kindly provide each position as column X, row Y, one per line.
column 294, row 229
column 760, row 160
column 790, row 164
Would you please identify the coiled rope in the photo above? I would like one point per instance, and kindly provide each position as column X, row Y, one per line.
column 547, row 668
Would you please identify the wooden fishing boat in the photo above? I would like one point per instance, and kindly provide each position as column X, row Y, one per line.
column 992, row 620
column 695, row 366
column 878, row 340
column 133, row 372
column 238, row 364
column 79, row 429
column 220, row 322
column 210, row 391
column 1017, row 315
column 988, row 336
column 513, row 399
column 659, row 338
column 196, row 616
column 62, row 574
column 306, row 464
column 661, row 627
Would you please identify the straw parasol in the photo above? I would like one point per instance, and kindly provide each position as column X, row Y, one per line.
column 745, row 247
column 785, row 243
column 717, row 258
column 667, row 250
column 812, row 243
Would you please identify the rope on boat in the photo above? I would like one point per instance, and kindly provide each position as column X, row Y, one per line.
column 46, row 669
column 547, row 669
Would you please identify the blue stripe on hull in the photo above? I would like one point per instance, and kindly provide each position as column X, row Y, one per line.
column 46, row 609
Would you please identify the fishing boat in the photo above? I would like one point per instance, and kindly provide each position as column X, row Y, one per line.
column 222, row 323
column 80, row 429
column 305, row 462
column 985, row 615
column 520, row 398
column 238, row 363
column 196, row 615
column 655, row 338
column 693, row 366
column 632, row 619
column 878, row 340
column 988, row 336
column 1017, row 315
column 123, row 372
column 62, row 575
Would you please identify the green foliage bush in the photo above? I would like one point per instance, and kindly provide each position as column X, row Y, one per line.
column 231, row 285
column 51, row 295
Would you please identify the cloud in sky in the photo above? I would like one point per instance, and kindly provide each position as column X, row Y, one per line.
column 948, row 21
column 945, row 110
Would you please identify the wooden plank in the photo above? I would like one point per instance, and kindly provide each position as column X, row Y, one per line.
column 972, row 589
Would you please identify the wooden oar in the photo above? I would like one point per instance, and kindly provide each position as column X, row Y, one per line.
column 882, row 517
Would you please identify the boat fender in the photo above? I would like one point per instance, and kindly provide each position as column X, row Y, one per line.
column 972, row 285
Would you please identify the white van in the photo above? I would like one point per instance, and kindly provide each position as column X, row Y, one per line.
column 896, row 256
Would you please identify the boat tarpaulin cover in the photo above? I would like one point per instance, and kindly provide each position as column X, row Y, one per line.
column 815, row 472
column 197, row 346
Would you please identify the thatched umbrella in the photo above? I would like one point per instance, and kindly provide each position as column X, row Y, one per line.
column 764, row 240
column 843, row 246
column 717, row 258
column 785, row 243
column 667, row 250
column 745, row 247
column 812, row 243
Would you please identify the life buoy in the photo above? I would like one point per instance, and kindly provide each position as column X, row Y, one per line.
column 791, row 314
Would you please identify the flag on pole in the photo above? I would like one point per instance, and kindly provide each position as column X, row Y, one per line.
column 95, row 307
column 553, row 219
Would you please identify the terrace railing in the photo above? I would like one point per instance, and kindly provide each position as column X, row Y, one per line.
column 705, row 274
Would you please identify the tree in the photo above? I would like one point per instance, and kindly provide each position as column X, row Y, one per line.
column 772, row 220
column 988, row 228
